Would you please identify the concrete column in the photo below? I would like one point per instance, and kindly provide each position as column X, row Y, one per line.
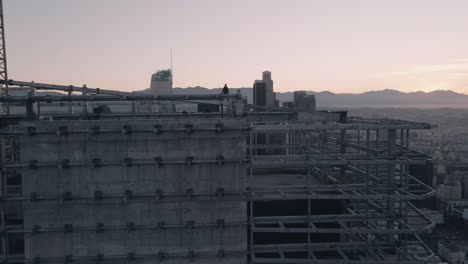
column 84, row 92
column 391, row 179
column 343, row 151
column 70, row 110
column 4, row 237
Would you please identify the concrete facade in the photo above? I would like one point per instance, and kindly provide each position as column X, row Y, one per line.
column 163, row 195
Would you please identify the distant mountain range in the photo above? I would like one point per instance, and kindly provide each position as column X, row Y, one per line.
column 384, row 98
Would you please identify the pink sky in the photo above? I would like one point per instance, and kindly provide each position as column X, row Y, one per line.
column 336, row 45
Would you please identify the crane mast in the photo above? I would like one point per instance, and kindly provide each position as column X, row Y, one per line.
column 4, row 109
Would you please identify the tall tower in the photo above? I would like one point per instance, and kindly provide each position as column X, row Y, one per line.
column 270, row 94
column 263, row 90
column 4, row 109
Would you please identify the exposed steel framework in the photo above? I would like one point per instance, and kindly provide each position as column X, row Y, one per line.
column 363, row 162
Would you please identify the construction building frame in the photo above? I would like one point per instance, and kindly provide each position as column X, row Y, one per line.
column 319, row 188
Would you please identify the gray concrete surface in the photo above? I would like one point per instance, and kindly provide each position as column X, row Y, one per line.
column 82, row 179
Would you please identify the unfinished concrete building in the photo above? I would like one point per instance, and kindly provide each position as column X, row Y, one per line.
column 235, row 186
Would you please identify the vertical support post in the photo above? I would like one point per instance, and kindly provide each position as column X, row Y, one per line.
column 221, row 107
column 38, row 110
column 358, row 140
column 405, row 241
column 366, row 179
column 30, row 106
column 84, row 92
column 402, row 144
column 29, row 109
column 343, row 151
column 367, row 176
column 324, row 141
column 293, row 142
column 250, row 199
column 402, row 170
column 391, row 181
column 309, row 182
column 4, row 236
column 287, row 142
column 377, row 139
column 70, row 109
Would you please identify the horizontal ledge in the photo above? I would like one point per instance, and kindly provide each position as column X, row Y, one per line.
column 336, row 126
column 158, row 163
column 130, row 228
column 103, row 132
column 338, row 230
column 159, row 196
column 133, row 255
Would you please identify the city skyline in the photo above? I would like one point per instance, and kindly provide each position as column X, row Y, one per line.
column 221, row 132
column 337, row 46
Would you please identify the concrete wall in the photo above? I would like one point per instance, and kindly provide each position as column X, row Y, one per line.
column 143, row 178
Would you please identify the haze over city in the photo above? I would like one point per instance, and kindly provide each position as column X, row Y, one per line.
column 339, row 46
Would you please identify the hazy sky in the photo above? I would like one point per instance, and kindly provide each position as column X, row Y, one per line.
column 341, row 46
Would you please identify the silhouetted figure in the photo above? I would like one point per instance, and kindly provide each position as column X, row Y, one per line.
column 225, row 89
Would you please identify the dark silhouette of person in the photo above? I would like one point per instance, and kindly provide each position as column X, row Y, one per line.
column 225, row 89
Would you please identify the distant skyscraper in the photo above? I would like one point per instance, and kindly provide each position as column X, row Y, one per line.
column 259, row 93
column 263, row 91
column 161, row 82
column 304, row 101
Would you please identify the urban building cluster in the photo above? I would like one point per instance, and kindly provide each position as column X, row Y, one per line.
column 263, row 95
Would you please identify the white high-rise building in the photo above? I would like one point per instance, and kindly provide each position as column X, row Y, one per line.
column 161, row 82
